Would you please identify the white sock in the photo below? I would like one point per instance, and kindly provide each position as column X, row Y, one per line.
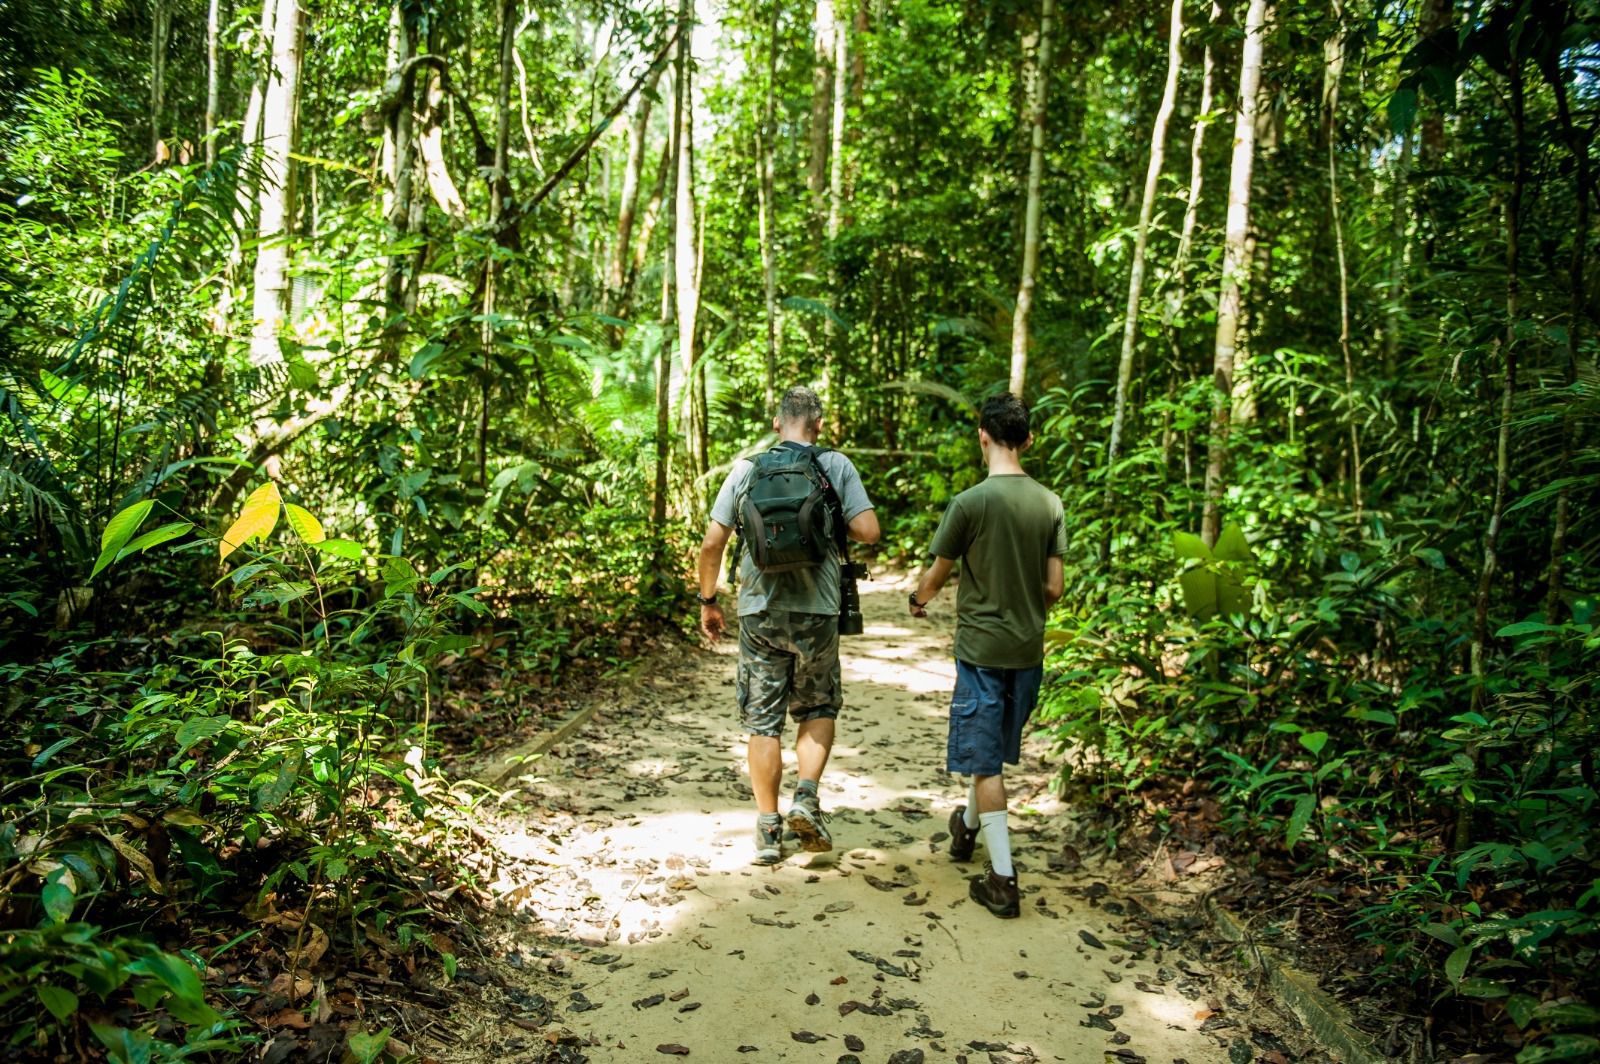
column 997, row 841
column 970, row 816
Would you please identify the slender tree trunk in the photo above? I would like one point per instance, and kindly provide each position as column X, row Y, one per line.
column 160, row 36
column 1333, row 73
column 1235, row 266
column 821, row 110
column 1177, row 300
column 1395, row 303
column 1147, row 207
column 276, row 212
column 398, row 163
column 1502, row 452
column 213, row 78
column 765, row 151
column 1191, row 208
column 832, row 362
column 1578, row 142
column 686, row 255
column 1030, row 223
column 632, row 173
column 507, row 21
column 663, row 440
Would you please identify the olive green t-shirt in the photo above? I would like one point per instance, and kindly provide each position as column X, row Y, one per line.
column 1002, row 530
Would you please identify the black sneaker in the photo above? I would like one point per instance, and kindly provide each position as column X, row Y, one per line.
column 962, row 838
column 997, row 893
column 769, row 843
column 809, row 824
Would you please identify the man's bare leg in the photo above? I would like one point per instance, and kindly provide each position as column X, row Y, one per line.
column 765, row 756
column 812, row 747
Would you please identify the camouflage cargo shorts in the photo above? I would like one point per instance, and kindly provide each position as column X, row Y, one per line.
column 788, row 663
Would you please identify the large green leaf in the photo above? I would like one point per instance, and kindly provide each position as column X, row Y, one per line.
column 1232, row 547
column 1304, row 806
column 118, row 531
column 154, row 538
column 1189, row 545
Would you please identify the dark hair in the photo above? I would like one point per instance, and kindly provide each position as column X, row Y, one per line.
column 1005, row 419
column 800, row 404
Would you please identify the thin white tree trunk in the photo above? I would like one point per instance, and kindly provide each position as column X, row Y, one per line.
column 686, row 250
column 823, row 30
column 1030, row 232
column 764, row 189
column 276, row 212
column 831, row 362
column 1235, row 266
column 213, row 78
column 1141, row 237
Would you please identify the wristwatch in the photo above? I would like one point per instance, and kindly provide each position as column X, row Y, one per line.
column 915, row 604
column 706, row 600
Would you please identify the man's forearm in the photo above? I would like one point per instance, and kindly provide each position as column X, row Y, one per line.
column 933, row 579
column 710, row 568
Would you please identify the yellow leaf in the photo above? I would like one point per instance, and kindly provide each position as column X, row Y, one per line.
column 305, row 525
column 256, row 521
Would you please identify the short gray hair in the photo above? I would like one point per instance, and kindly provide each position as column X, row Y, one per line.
column 800, row 404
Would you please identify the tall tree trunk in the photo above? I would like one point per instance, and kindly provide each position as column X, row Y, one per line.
column 1578, row 143
column 686, row 255
column 160, row 36
column 821, row 111
column 1333, row 73
column 430, row 146
column 832, row 362
column 507, row 25
column 213, row 78
column 399, row 167
column 1172, row 314
column 1399, row 244
column 1502, row 451
column 276, row 211
column 1147, row 207
column 663, row 440
column 1030, row 222
column 1235, row 266
column 764, row 188
column 632, row 173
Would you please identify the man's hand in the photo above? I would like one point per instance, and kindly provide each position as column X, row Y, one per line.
column 712, row 622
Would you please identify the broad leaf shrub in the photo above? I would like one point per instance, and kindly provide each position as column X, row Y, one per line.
column 1326, row 705
column 277, row 772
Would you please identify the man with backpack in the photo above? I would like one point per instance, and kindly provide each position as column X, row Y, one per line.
column 1009, row 534
column 794, row 507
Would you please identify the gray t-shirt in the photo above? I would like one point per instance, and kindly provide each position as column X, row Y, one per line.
column 805, row 590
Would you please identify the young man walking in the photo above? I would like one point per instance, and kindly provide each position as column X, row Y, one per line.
column 788, row 619
column 1008, row 534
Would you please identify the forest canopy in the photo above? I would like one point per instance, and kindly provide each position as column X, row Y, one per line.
column 366, row 371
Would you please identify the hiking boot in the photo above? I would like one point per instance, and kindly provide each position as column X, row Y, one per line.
column 809, row 824
column 769, row 843
column 962, row 838
column 997, row 893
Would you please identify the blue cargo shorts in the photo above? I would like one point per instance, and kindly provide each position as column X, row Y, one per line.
column 788, row 664
column 988, row 711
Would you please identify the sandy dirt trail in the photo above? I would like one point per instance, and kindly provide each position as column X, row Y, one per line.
column 654, row 935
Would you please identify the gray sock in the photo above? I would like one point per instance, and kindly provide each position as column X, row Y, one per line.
column 769, row 820
column 805, row 787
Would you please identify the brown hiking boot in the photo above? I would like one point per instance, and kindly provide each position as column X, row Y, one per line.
column 962, row 838
column 997, row 893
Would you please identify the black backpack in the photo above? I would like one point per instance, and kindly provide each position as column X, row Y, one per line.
column 787, row 510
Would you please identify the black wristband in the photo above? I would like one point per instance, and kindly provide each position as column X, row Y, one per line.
column 915, row 604
column 706, row 600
